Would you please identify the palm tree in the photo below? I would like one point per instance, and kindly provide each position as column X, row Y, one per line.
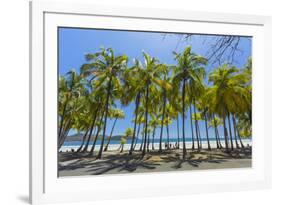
column 203, row 107
column 95, row 101
column 84, row 122
column 196, row 117
column 140, row 120
column 133, row 89
column 71, row 90
column 99, row 125
column 189, row 64
column 150, row 72
column 171, row 114
column 107, row 67
column 154, row 123
column 123, row 140
column 228, row 94
column 215, row 122
column 165, row 89
column 175, row 102
column 116, row 114
column 195, row 91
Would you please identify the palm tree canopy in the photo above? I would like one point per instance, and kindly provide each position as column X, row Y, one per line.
column 228, row 93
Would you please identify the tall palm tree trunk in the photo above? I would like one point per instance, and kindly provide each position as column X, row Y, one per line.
column 105, row 118
column 235, row 134
column 96, row 137
column 87, row 142
column 137, row 102
column 142, row 137
column 191, row 124
column 207, row 132
column 216, row 136
column 219, row 138
column 146, row 118
column 199, row 134
column 217, row 133
column 64, row 133
column 183, row 118
column 178, row 131
column 148, row 142
column 111, row 132
column 215, row 130
column 62, row 119
column 168, row 136
column 137, row 137
column 162, row 121
column 225, row 135
column 230, row 131
column 153, row 136
column 83, row 141
column 196, row 127
column 91, row 130
column 63, row 116
column 238, row 134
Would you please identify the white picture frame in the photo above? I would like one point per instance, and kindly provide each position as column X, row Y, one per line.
column 46, row 187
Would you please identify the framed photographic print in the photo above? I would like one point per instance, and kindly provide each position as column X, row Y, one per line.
column 129, row 102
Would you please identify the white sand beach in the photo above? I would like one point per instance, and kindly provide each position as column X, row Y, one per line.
column 246, row 142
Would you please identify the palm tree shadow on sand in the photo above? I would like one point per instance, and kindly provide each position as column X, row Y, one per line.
column 82, row 164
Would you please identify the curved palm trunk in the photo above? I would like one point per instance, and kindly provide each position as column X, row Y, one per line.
column 168, row 136
column 146, row 118
column 242, row 145
column 142, row 138
column 62, row 119
column 148, row 142
column 95, row 140
column 191, row 124
column 89, row 139
column 207, row 132
column 111, row 132
column 235, row 127
column 199, row 134
column 153, row 136
column 215, row 130
column 230, row 131
column 64, row 134
column 178, row 131
column 137, row 137
column 235, row 135
column 83, row 141
column 162, row 121
column 87, row 142
column 217, row 133
column 183, row 118
column 216, row 136
column 137, row 102
column 91, row 130
column 105, row 118
column 219, row 138
column 62, row 138
column 196, row 127
column 63, row 114
column 225, row 135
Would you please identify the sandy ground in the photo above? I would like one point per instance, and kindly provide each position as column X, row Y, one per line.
column 114, row 162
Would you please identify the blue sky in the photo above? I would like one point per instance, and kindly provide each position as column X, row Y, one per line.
column 74, row 43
